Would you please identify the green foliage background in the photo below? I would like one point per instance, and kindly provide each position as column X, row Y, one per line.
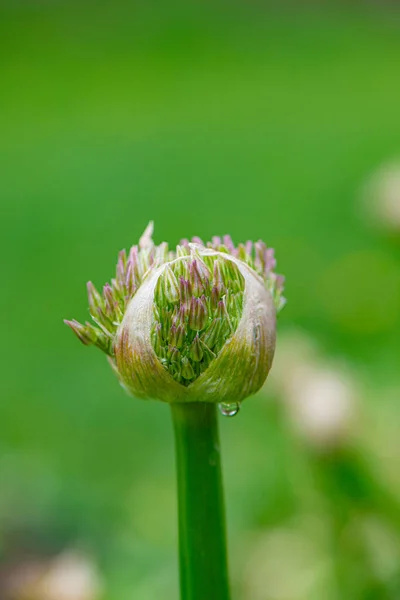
column 243, row 119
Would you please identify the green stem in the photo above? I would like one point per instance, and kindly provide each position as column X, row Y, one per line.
column 202, row 536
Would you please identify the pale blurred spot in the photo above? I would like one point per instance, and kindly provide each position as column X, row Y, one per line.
column 360, row 292
column 380, row 198
column 321, row 404
column 70, row 576
column 320, row 396
column 285, row 564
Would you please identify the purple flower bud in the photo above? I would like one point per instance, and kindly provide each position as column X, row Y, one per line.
column 177, row 335
column 95, row 299
column 259, row 261
column 264, row 261
column 185, row 291
column 172, row 335
column 210, row 337
column 130, row 282
column 170, row 286
column 198, row 314
column 187, row 369
column 196, row 349
column 173, row 354
column 228, row 243
column 121, row 270
column 235, row 306
column 197, row 240
column 218, row 274
column 244, row 255
column 280, row 283
column 199, row 277
column 84, row 334
column 109, row 301
column 270, row 261
column 216, row 294
column 216, row 241
column 249, row 248
column 134, row 261
column 157, row 338
column 222, row 312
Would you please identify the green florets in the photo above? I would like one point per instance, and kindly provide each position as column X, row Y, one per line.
column 197, row 307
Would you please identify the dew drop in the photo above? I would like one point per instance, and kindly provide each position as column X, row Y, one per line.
column 229, row 409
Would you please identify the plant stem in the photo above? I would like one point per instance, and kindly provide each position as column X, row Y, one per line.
column 202, row 535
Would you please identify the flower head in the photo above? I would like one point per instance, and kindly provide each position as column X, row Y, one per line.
column 194, row 324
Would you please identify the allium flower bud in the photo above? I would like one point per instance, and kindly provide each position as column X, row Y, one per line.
column 197, row 324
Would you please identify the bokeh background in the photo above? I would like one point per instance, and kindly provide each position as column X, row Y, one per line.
column 274, row 121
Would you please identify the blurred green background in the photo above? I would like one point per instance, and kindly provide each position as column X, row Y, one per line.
column 278, row 122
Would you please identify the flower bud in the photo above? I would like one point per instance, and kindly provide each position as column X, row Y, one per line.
column 185, row 290
column 177, row 335
column 157, row 339
column 187, row 369
column 95, row 299
column 198, row 314
column 199, row 276
column 193, row 325
column 170, row 287
column 196, row 350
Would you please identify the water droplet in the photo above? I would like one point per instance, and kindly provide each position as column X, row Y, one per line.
column 229, row 409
